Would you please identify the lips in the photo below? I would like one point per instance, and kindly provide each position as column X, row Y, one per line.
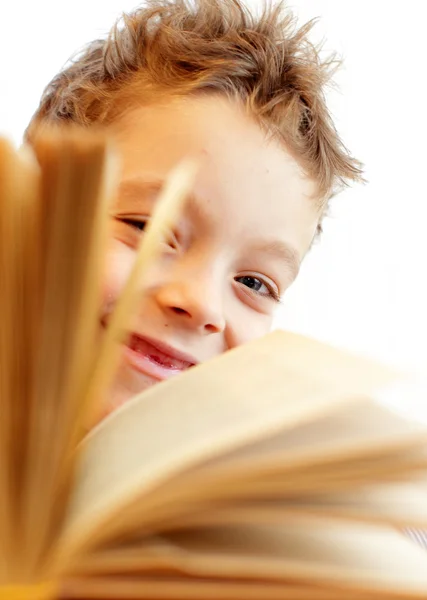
column 156, row 359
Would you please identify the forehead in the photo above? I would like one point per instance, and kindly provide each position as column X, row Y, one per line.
column 244, row 176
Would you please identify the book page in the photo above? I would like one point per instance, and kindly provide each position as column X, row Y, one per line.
column 355, row 429
column 351, row 433
column 400, row 504
column 360, row 444
column 179, row 588
column 245, row 395
column 349, row 556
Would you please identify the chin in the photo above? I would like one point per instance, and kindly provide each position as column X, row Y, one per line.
column 123, row 389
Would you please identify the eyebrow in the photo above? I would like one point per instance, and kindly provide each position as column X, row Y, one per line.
column 137, row 188
column 280, row 250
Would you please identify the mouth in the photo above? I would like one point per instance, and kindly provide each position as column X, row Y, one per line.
column 155, row 358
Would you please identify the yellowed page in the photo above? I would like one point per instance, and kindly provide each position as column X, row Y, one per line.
column 350, row 556
column 204, row 413
column 347, row 458
column 358, row 437
column 19, row 275
column 403, row 504
column 364, row 427
column 317, row 477
column 400, row 504
column 197, row 589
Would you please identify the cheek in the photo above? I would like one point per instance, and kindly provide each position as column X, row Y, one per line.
column 245, row 325
column 117, row 268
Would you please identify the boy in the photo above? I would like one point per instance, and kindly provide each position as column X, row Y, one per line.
column 245, row 96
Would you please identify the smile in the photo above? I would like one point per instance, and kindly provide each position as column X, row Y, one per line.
column 156, row 359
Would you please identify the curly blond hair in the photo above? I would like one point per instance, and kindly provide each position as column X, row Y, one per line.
column 182, row 47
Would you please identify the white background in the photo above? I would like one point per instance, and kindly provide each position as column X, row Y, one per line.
column 364, row 286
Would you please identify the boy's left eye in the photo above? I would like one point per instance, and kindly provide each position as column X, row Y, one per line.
column 258, row 286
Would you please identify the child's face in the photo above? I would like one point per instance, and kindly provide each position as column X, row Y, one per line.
column 237, row 247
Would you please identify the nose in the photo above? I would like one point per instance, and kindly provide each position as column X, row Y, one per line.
column 193, row 304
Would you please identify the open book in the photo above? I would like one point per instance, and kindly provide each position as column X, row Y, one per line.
column 270, row 472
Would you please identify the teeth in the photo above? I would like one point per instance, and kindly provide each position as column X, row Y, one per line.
column 155, row 355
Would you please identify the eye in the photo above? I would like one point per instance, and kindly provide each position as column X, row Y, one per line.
column 258, row 286
column 139, row 224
